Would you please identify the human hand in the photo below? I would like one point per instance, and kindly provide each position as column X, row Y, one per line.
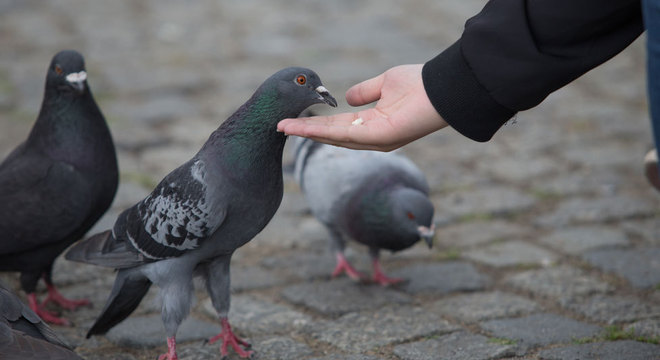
column 402, row 114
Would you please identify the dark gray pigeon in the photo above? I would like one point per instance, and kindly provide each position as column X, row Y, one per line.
column 24, row 336
column 377, row 199
column 56, row 184
column 202, row 212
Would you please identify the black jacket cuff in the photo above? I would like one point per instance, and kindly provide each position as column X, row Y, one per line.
column 460, row 99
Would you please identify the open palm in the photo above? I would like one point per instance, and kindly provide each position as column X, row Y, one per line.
column 402, row 114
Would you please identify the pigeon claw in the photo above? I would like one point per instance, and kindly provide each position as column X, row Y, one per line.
column 229, row 338
column 44, row 314
column 343, row 266
column 382, row 279
column 171, row 350
column 57, row 298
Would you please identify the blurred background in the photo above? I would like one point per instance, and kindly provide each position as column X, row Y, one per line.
column 166, row 73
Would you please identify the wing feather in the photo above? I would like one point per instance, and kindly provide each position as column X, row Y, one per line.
column 176, row 217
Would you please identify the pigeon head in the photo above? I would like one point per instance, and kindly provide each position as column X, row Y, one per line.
column 301, row 88
column 412, row 215
column 394, row 218
column 66, row 74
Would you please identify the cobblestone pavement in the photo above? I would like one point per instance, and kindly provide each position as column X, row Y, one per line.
column 549, row 237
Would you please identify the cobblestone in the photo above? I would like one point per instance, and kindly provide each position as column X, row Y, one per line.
column 562, row 283
column 578, row 239
column 615, row 309
column 512, row 253
column 368, row 330
column 640, row 266
column 649, row 328
column 342, row 296
column 600, row 210
column 457, row 346
column 254, row 316
column 629, row 350
column 482, row 306
column 442, row 278
column 148, row 331
column 540, row 329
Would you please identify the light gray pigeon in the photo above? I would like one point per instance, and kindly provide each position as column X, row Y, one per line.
column 24, row 336
column 201, row 212
column 377, row 199
column 57, row 183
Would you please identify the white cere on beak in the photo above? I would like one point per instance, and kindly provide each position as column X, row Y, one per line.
column 426, row 231
column 322, row 90
column 77, row 77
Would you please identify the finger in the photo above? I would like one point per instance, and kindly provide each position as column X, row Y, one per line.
column 359, row 145
column 365, row 92
column 337, row 119
column 344, row 132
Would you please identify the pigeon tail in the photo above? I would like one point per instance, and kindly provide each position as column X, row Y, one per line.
column 103, row 249
column 126, row 295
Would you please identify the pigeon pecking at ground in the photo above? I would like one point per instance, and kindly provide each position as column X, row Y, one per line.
column 57, row 183
column 24, row 336
column 201, row 212
column 375, row 198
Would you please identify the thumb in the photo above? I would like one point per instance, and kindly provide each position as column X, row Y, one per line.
column 365, row 92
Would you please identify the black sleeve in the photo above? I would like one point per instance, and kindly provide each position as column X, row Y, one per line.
column 514, row 53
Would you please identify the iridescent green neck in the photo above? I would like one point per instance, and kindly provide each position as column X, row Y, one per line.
column 249, row 138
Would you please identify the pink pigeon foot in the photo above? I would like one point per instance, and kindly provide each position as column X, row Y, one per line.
column 46, row 315
column 229, row 338
column 171, row 350
column 57, row 298
column 344, row 266
column 380, row 277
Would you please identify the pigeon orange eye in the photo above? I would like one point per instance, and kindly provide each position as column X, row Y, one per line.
column 58, row 70
column 301, row 80
column 410, row 215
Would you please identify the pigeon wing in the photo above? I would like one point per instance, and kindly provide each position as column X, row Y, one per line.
column 20, row 317
column 176, row 217
column 41, row 202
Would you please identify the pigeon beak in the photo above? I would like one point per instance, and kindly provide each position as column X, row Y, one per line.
column 427, row 233
column 77, row 81
column 324, row 95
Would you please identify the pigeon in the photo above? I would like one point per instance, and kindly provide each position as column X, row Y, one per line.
column 202, row 211
column 56, row 184
column 24, row 336
column 377, row 199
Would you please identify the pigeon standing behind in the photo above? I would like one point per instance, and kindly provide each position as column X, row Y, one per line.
column 56, row 184
column 24, row 336
column 378, row 199
column 201, row 212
